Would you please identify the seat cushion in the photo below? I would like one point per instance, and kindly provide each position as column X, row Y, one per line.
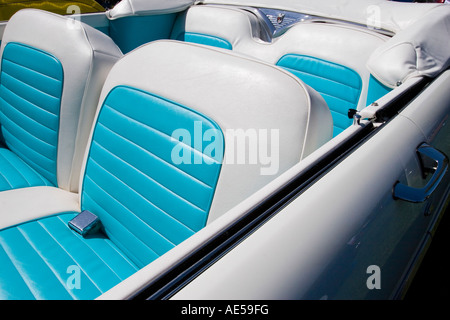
column 15, row 173
column 45, row 259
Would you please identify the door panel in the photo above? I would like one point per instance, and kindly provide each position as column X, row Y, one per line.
column 345, row 237
column 431, row 114
column 321, row 244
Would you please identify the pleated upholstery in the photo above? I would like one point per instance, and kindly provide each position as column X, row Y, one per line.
column 30, row 98
column 44, row 259
column 15, row 173
column 339, row 86
column 148, row 201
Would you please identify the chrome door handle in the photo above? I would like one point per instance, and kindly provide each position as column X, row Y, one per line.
column 433, row 161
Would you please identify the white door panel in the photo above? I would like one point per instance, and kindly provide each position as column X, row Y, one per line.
column 431, row 113
column 287, row 257
column 345, row 237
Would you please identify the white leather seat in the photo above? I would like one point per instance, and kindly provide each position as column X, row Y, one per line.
column 52, row 71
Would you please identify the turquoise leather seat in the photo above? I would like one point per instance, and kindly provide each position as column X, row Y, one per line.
column 51, row 73
column 146, row 204
column 153, row 170
column 339, row 86
column 46, row 260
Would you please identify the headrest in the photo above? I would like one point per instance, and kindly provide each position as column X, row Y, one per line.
column 243, row 96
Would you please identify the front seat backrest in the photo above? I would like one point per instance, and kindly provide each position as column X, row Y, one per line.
column 52, row 71
column 151, row 174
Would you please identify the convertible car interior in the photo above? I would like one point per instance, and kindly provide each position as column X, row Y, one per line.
column 91, row 117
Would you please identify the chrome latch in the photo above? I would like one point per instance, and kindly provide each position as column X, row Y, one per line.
column 353, row 114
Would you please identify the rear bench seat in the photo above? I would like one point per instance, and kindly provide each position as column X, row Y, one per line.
column 147, row 200
column 52, row 71
column 226, row 28
column 331, row 58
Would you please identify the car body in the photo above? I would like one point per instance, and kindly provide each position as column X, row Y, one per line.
column 353, row 218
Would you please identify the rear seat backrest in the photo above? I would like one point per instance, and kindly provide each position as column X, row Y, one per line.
column 52, row 71
column 216, row 26
column 331, row 58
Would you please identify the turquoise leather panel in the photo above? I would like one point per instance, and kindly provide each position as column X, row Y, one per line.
column 338, row 85
column 376, row 90
column 30, row 97
column 147, row 200
column 44, row 259
column 15, row 173
column 205, row 39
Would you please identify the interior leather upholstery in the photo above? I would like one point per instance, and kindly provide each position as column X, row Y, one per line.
column 30, row 90
column 339, row 86
column 146, row 199
column 46, row 260
column 52, row 70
